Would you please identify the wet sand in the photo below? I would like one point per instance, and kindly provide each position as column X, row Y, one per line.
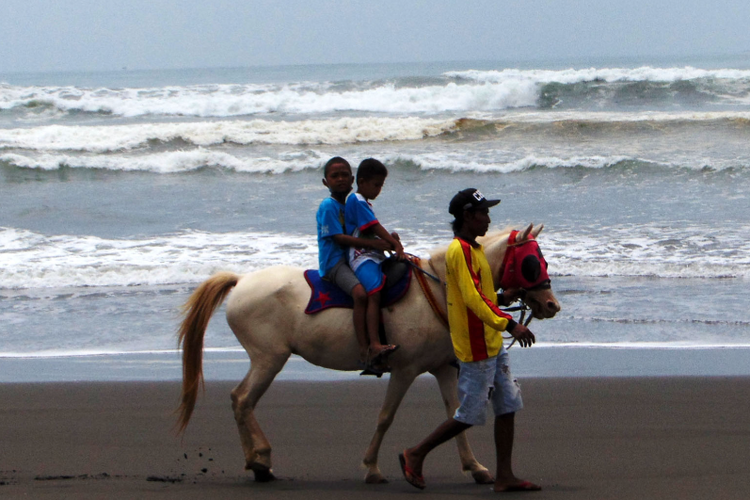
column 677, row 437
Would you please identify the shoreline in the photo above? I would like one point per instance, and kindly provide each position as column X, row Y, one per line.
column 620, row 438
column 546, row 361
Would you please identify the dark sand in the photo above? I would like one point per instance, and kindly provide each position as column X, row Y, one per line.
column 682, row 438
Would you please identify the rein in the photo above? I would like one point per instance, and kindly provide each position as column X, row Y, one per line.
column 414, row 261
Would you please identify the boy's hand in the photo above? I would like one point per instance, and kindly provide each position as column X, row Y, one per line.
column 523, row 335
column 399, row 249
column 378, row 244
column 395, row 236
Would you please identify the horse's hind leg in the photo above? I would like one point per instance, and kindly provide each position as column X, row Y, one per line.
column 448, row 383
column 245, row 396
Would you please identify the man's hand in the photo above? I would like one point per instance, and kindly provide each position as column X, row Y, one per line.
column 523, row 335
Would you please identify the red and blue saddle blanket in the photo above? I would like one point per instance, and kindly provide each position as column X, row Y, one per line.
column 325, row 294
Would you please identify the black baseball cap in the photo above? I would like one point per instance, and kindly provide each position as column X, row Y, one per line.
column 469, row 199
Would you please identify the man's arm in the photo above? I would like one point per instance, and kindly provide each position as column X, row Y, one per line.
column 471, row 291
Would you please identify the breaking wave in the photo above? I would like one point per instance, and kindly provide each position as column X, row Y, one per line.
column 457, row 92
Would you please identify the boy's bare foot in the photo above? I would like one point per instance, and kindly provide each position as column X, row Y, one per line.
column 378, row 353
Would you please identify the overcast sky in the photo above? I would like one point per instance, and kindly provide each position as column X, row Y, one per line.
column 54, row 35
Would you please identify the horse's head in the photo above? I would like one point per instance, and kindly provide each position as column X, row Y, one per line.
column 518, row 263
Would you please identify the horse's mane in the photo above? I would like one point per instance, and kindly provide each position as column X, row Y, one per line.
column 489, row 237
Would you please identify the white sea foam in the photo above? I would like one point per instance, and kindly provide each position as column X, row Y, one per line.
column 485, row 91
column 651, row 250
column 31, row 260
column 494, row 163
column 241, row 100
column 593, row 117
column 164, row 163
column 498, row 162
column 641, row 74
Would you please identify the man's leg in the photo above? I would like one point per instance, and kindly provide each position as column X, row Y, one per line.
column 504, row 433
column 473, row 385
column 414, row 457
column 506, row 401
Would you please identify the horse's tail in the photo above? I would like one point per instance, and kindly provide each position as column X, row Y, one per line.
column 198, row 311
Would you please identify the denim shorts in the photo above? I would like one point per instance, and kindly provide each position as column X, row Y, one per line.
column 480, row 382
column 370, row 274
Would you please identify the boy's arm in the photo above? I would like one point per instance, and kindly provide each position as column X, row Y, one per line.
column 383, row 234
column 359, row 214
column 346, row 240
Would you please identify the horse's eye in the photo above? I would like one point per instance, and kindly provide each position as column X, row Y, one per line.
column 531, row 268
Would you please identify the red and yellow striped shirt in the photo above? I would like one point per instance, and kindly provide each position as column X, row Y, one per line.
column 474, row 318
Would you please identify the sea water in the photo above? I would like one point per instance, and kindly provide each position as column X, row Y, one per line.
column 120, row 192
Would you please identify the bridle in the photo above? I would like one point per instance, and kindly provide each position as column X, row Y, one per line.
column 522, row 307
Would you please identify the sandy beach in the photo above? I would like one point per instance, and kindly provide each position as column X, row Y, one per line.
column 579, row 438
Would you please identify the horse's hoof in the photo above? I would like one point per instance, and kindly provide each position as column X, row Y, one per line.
column 375, row 478
column 483, row 477
column 262, row 473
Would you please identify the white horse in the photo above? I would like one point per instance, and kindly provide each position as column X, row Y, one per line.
column 266, row 313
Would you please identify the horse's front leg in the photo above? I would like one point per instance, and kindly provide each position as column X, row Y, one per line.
column 448, row 383
column 400, row 381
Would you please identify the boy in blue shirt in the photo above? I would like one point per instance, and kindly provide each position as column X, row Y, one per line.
column 332, row 243
column 366, row 260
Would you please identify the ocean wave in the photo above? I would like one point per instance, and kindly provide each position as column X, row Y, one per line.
column 610, row 75
column 102, row 139
column 622, row 88
column 498, row 162
column 143, row 137
column 243, row 100
column 169, row 162
column 458, row 91
column 457, row 162
column 33, row 260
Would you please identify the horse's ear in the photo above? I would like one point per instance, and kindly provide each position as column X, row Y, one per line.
column 524, row 235
column 537, row 230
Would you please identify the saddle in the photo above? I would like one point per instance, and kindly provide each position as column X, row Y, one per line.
column 324, row 294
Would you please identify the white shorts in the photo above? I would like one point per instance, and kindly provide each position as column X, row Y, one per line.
column 488, row 380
